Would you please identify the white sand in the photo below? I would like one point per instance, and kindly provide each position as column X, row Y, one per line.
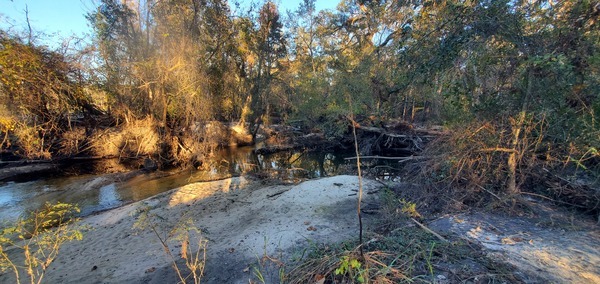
column 552, row 254
column 237, row 217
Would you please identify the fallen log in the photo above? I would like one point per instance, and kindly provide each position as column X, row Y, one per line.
column 54, row 161
column 275, row 148
column 308, row 141
column 22, row 163
column 13, row 172
column 89, row 158
column 422, row 133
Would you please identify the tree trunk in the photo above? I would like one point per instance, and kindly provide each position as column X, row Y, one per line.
column 511, row 187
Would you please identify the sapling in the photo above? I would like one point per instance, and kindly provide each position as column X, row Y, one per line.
column 33, row 243
column 184, row 231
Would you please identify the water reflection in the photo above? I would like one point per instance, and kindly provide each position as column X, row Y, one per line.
column 96, row 193
column 108, row 196
column 6, row 194
column 290, row 165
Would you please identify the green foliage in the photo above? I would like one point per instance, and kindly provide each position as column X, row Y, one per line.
column 38, row 238
column 39, row 93
column 457, row 63
column 258, row 274
column 350, row 267
column 410, row 209
column 34, row 80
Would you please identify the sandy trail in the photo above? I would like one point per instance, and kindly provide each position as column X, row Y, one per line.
column 242, row 220
column 545, row 249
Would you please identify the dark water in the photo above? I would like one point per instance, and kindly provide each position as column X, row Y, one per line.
column 95, row 193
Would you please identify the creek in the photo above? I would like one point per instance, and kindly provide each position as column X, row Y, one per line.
column 95, row 193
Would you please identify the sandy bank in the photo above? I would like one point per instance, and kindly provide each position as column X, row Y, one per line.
column 242, row 219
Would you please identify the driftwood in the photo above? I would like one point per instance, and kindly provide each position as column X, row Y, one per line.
column 22, row 163
column 306, row 141
column 397, row 138
column 13, row 169
column 89, row 158
column 423, row 133
column 59, row 160
column 12, row 172
column 275, row 148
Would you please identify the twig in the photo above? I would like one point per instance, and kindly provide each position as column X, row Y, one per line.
column 387, row 158
column 297, row 158
column 165, row 247
column 360, row 181
column 384, row 158
column 493, row 194
column 277, row 193
column 429, row 230
column 387, row 186
column 499, row 149
column 553, row 200
column 557, row 176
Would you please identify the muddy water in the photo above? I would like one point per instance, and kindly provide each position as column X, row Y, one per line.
column 95, row 193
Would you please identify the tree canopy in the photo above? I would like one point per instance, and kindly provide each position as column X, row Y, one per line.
column 522, row 77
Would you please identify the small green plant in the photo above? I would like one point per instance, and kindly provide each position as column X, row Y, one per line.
column 259, row 275
column 351, row 268
column 181, row 233
column 429, row 264
column 38, row 238
column 266, row 265
column 410, row 209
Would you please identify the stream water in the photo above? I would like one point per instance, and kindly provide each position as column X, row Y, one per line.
column 94, row 193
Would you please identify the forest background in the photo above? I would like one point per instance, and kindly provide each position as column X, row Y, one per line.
column 515, row 85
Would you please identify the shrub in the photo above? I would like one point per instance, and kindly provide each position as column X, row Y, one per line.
column 38, row 238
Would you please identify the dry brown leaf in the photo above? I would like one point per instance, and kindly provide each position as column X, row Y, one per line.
column 319, row 279
column 184, row 247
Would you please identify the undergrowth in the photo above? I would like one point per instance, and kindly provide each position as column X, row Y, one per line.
column 475, row 165
column 399, row 251
column 403, row 255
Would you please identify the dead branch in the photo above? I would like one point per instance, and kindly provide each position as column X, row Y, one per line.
column 423, row 133
column 553, row 200
column 400, row 159
column 498, row 149
column 429, row 230
column 493, row 194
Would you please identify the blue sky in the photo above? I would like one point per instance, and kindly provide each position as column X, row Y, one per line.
column 59, row 19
